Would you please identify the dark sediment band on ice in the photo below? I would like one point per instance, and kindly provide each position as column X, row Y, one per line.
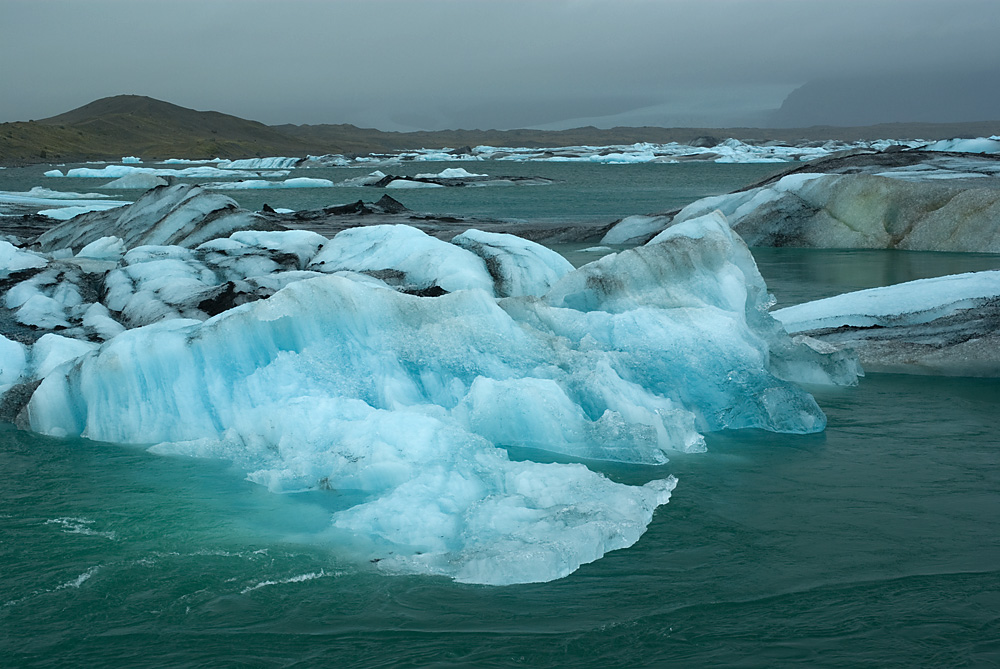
column 910, row 200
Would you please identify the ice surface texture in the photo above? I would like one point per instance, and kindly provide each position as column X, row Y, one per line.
column 181, row 215
column 944, row 325
column 861, row 211
column 402, row 404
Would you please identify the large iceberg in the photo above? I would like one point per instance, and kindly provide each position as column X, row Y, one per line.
column 863, row 211
column 353, row 379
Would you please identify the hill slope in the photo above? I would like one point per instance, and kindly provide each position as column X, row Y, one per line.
column 135, row 125
column 124, row 125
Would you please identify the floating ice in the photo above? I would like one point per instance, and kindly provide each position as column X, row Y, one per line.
column 51, row 202
column 181, row 214
column 131, row 160
column 635, row 228
column 13, row 363
column 117, row 171
column 518, row 266
column 979, row 145
column 137, row 181
column 406, row 183
column 405, row 403
column 66, row 213
column 861, row 211
column 450, row 173
column 256, row 184
column 406, row 257
column 275, row 163
column 910, row 303
column 13, row 259
column 943, row 325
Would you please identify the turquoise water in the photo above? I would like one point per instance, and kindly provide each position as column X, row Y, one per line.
column 874, row 543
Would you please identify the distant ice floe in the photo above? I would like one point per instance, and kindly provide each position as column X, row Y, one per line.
column 451, row 173
column 117, row 171
column 726, row 151
column 263, row 184
column 274, row 163
column 131, row 160
column 979, row 145
column 60, row 205
column 399, row 368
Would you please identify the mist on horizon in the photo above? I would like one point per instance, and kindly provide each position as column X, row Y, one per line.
column 484, row 64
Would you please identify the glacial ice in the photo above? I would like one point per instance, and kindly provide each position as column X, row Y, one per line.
column 14, row 259
column 451, row 173
column 943, row 325
column 403, row 404
column 861, row 211
column 910, row 303
column 406, row 257
column 518, row 266
column 131, row 160
column 978, row 145
column 181, row 214
column 407, row 183
column 273, row 163
column 633, row 228
column 137, row 181
column 118, row 171
column 55, row 203
column 258, row 184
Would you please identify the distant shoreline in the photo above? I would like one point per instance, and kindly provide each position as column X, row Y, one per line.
column 129, row 125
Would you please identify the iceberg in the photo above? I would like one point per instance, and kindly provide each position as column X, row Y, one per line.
column 274, row 163
column 392, row 371
column 137, row 181
column 861, row 211
column 943, row 325
column 182, row 214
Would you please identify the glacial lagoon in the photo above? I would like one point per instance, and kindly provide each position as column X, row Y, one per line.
column 872, row 541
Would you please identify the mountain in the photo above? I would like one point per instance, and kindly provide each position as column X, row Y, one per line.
column 133, row 125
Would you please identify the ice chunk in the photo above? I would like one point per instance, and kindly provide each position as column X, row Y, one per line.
column 137, row 181
column 406, row 183
column 908, row 303
column 105, row 248
column 405, row 257
column 181, row 214
column 131, row 160
column 632, row 229
column 861, row 211
column 52, row 350
column 979, row 145
column 369, row 180
column 275, row 163
column 943, row 325
column 259, row 184
column 450, row 173
column 13, row 363
column 13, row 259
column 66, row 213
column 518, row 266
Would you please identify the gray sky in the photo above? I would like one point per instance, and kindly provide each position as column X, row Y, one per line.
column 430, row 64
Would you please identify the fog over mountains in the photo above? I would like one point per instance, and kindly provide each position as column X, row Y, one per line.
column 425, row 65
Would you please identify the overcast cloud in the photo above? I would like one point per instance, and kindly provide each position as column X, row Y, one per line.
column 473, row 63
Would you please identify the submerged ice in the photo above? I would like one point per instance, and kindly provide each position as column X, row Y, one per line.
column 393, row 370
